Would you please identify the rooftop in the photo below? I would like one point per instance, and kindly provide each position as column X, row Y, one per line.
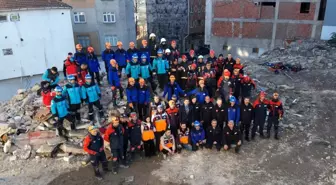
column 31, row 4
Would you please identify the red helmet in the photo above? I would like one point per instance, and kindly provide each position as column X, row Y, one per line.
column 90, row 49
column 193, row 66
column 246, row 78
column 212, row 52
column 184, row 57
column 226, row 72
column 191, row 52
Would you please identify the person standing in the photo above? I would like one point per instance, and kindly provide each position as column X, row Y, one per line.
column 134, row 126
column 247, row 85
column 185, row 113
column 71, row 67
column 183, row 72
column 219, row 66
column 120, row 55
column 94, row 65
column 247, row 116
column 220, row 113
column 114, row 81
column 173, row 117
column 161, row 67
column 144, row 99
column 80, row 55
column 260, row 106
column 153, row 47
column 64, row 67
column 132, row 95
column 72, row 91
column 275, row 115
column 229, row 63
column 234, row 111
column 172, row 88
column 131, row 51
column 212, row 58
column 133, row 68
column 107, row 55
column 207, row 112
column 225, row 85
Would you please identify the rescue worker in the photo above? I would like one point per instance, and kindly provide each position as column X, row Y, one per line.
column 134, row 126
column 185, row 113
column 167, row 56
column 219, row 66
column 214, row 136
column 224, row 85
column 275, row 115
column 236, row 79
column 153, row 106
column 82, row 72
column 192, row 57
column 209, row 76
column 220, row 113
column 200, row 65
column 133, row 68
column 234, row 111
column 174, row 51
column 71, row 67
column 114, row 136
column 93, row 144
column 167, row 144
column 161, row 123
column 173, row 70
column 107, row 55
column 197, row 136
column 247, row 85
column 200, row 92
column 80, row 55
column 153, row 47
column 124, row 119
column 93, row 64
column 207, row 112
column 114, row 81
column 47, row 94
column 183, row 139
column 231, row 136
column 52, row 76
column 59, row 110
column 196, row 109
column 145, row 69
column 260, row 106
column 172, row 88
column 229, row 63
column 144, row 99
column 212, row 58
column 131, row 51
column 120, row 55
column 64, row 67
column 132, row 95
column 177, row 101
column 247, row 116
column 192, row 77
column 148, row 137
column 173, row 117
column 239, row 66
column 163, row 44
column 161, row 66
column 183, row 72
column 72, row 91
column 145, row 50
column 91, row 94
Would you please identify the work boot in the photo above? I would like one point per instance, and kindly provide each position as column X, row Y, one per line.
column 276, row 136
column 253, row 137
column 97, row 173
column 73, row 126
column 105, row 167
column 101, row 113
column 268, row 135
column 115, row 167
column 247, row 138
column 262, row 135
column 237, row 149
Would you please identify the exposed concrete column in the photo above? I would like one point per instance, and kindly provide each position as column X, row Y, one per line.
column 276, row 15
column 317, row 12
column 208, row 21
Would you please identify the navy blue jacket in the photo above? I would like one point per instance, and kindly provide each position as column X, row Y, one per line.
column 120, row 55
column 132, row 94
column 171, row 89
column 143, row 95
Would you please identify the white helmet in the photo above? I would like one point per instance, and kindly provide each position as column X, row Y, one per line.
column 163, row 40
column 167, row 50
column 201, row 56
column 152, row 35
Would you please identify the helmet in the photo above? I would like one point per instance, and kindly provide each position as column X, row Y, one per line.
column 197, row 123
column 246, row 78
column 119, row 43
column 193, row 66
column 92, row 128
column 88, row 76
column 143, row 56
column 227, row 73
column 191, row 52
column 90, row 49
column 58, row 89
column 71, row 77
column 159, row 51
column 152, row 35
column 212, row 52
column 232, row 99
column 201, row 56
column 174, row 96
column 135, row 55
column 184, row 57
column 167, row 50
column 162, row 40
column 160, row 107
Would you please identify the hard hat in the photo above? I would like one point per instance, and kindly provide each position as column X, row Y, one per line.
column 201, row 56
column 71, row 77
column 184, row 57
column 227, row 73
column 232, row 99
column 191, row 52
column 88, row 76
column 58, row 89
column 193, row 66
column 152, row 35
column 90, row 49
column 135, row 55
column 159, row 107
column 163, row 40
column 197, row 123
column 212, row 52
column 167, row 50
column 159, row 51
column 92, row 128
column 143, row 56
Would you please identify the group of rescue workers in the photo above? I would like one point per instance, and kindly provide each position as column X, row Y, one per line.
column 205, row 103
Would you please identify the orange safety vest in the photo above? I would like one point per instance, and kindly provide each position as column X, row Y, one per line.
column 148, row 133
column 184, row 137
column 168, row 142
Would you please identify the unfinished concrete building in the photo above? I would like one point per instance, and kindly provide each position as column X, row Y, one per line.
column 247, row 28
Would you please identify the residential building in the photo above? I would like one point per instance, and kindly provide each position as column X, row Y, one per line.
column 98, row 21
column 35, row 35
column 329, row 24
column 248, row 28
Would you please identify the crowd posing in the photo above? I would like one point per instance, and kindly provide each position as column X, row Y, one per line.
column 206, row 103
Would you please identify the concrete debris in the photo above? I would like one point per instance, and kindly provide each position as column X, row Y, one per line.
column 23, row 153
column 72, row 149
column 129, row 179
column 7, row 146
column 69, row 158
column 21, row 91
column 78, row 133
column 35, row 88
column 55, row 141
column 13, row 158
column 45, row 150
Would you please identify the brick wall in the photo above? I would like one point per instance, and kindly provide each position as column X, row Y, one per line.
column 236, row 9
column 291, row 31
column 292, row 11
column 267, row 12
column 224, row 29
column 257, row 30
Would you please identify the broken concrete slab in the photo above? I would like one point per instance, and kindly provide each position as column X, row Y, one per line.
column 36, row 87
column 69, row 158
column 45, row 150
column 75, row 150
column 35, row 139
column 23, row 153
column 7, row 146
column 83, row 126
column 78, row 133
column 55, row 141
column 21, row 91
column 42, row 114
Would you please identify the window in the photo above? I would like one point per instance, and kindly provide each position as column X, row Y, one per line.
column 255, row 50
column 84, row 41
column 305, row 8
column 112, row 39
column 268, row 4
column 79, row 17
column 7, row 51
column 3, row 18
column 109, row 17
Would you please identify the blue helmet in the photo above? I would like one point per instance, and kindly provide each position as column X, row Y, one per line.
column 58, row 89
column 197, row 123
column 143, row 56
column 232, row 99
column 160, row 51
column 88, row 76
column 72, row 59
column 135, row 55
column 71, row 77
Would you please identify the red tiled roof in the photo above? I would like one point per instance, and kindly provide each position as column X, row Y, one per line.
column 21, row 4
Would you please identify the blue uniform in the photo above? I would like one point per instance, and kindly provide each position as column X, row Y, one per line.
column 52, row 78
column 145, row 70
column 200, row 94
column 93, row 63
column 234, row 114
column 171, row 89
column 80, row 57
column 91, row 92
column 160, row 65
column 133, row 69
column 73, row 92
column 107, row 55
column 143, row 95
column 197, row 135
column 131, row 52
column 132, row 94
column 146, row 52
column 120, row 56
column 113, row 77
column 59, row 107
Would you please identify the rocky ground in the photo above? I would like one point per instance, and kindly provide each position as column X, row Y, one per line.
column 304, row 155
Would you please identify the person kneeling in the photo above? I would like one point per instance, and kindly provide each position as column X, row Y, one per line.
column 214, row 134
column 197, row 136
column 231, row 137
column 167, row 144
column 183, row 141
